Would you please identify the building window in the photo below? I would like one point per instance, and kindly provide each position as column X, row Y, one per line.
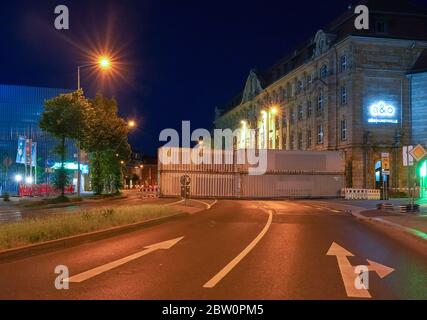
column 292, row 115
column 343, row 95
column 299, row 141
column 320, row 134
column 300, row 113
column 292, row 142
column 309, row 142
column 320, row 103
column 381, row 26
column 343, row 64
column 343, row 129
column 309, row 109
column 324, row 71
column 300, row 86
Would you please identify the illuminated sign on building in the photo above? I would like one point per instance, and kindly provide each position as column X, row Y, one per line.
column 72, row 166
column 382, row 112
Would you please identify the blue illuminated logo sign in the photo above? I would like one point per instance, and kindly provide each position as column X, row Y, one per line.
column 382, row 112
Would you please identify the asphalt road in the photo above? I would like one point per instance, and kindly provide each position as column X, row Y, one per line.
column 235, row 250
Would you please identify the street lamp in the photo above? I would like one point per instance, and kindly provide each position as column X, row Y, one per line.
column 131, row 124
column 104, row 63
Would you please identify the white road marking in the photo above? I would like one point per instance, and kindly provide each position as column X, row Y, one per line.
column 174, row 203
column 381, row 270
column 208, row 205
column 227, row 269
column 106, row 267
column 347, row 272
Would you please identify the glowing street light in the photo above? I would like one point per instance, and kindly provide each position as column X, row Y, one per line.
column 18, row 178
column 29, row 180
column 104, row 63
column 131, row 124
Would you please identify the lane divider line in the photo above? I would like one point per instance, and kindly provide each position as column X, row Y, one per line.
column 227, row 269
column 208, row 205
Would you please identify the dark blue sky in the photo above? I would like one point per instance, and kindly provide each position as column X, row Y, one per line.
column 178, row 59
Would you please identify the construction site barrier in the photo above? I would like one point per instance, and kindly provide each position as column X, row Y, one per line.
column 149, row 192
column 41, row 190
column 361, row 194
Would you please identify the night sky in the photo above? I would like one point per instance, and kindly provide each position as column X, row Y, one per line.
column 175, row 60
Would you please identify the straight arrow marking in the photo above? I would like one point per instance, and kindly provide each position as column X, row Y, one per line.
column 227, row 269
column 347, row 272
column 109, row 266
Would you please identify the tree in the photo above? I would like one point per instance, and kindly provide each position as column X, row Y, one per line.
column 65, row 117
column 106, row 140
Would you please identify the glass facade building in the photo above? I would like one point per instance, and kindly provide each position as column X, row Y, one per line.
column 20, row 111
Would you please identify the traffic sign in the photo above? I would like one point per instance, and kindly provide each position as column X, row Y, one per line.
column 185, row 180
column 418, row 152
column 408, row 159
column 385, row 161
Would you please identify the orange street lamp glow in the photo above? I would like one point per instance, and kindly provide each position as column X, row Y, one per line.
column 131, row 124
column 274, row 110
column 104, row 63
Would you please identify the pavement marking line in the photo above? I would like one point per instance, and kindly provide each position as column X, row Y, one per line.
column 109, row 266
column 174, row 203
column 227, row 269
column 208, row 205
column 347, row 272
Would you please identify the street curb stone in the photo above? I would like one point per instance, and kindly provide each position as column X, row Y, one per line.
column 68, row 242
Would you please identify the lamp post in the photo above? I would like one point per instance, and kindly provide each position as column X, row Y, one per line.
column 104, row 63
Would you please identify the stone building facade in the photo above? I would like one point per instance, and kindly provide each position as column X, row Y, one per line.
column 344, row 90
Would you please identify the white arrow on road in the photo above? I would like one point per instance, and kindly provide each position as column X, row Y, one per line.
column 106, row 267
column 348, row 271
column 381, row 270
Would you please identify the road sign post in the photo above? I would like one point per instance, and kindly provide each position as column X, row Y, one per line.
column 418, row 153
column 385, row 162
column 185, row 186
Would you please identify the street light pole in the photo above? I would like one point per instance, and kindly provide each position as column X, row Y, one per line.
column 104, row 63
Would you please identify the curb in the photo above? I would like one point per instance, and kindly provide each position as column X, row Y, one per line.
column 413, row 232
column 72, row 241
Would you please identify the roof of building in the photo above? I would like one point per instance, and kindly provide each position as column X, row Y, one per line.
column 406, row 20
column 421, row 64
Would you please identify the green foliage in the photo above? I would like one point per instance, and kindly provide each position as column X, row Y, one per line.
column 106, row 139
column 65, row 117
column 98, row 129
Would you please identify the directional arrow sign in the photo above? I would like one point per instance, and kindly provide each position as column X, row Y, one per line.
column 106, row 267
column 348, row 271
column 381, row 270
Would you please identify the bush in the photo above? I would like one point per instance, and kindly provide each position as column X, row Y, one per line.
column 6, row 196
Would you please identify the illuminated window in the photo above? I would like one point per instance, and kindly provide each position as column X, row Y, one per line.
column 320, row 134
column 343, row 129
column 343, row 95
column 320, row 102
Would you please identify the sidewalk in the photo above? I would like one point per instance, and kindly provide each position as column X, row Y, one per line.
column 414, row 223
